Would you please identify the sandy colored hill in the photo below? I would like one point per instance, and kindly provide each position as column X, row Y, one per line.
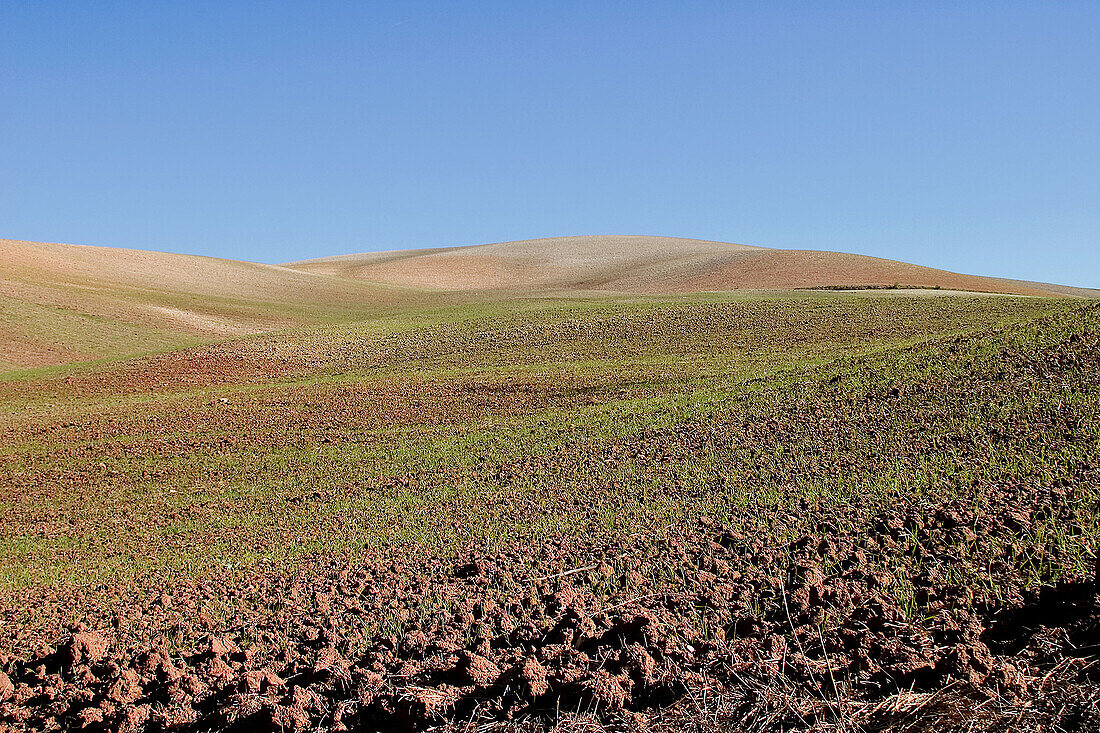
column 638, row 264
column 61, row 303
column 595, row 262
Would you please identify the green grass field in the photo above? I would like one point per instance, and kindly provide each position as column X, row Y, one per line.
column 147, row 474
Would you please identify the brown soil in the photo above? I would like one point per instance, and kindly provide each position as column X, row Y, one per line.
column 29, row 353
column 525, row 634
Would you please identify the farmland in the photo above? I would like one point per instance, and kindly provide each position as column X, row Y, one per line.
column 811, row 510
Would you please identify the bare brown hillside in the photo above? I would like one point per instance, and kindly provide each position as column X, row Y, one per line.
column 639, row 264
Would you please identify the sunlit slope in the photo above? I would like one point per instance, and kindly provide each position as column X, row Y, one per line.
column 591, row 262
column 61, row 303
column 638, row 264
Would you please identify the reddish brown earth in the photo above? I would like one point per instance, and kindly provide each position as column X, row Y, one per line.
column 30, row 352
column 528, row 633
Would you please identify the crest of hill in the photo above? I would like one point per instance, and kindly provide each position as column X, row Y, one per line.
column 641, row 264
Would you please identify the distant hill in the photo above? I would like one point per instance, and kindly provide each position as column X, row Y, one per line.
column 639, row 264
column 64, row 303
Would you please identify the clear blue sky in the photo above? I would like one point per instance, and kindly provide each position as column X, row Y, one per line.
column 963, row 135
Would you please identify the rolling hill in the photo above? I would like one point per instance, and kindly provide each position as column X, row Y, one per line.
column 61, row 303
column 638, row 264
column 64, row 303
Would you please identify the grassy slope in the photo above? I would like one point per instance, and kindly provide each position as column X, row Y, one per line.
column 402, row 429
column 38, row 335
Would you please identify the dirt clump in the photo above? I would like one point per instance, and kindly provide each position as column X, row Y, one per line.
column 85, row 648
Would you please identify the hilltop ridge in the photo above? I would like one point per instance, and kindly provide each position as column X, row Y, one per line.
column 645, row 264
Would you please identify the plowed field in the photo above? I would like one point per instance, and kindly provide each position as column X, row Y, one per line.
column 785, row 512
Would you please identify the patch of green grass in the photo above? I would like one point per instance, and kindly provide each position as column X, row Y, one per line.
column 42, row 333
column 525, row 408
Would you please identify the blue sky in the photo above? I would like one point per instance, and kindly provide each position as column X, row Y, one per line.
column 962, row 135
